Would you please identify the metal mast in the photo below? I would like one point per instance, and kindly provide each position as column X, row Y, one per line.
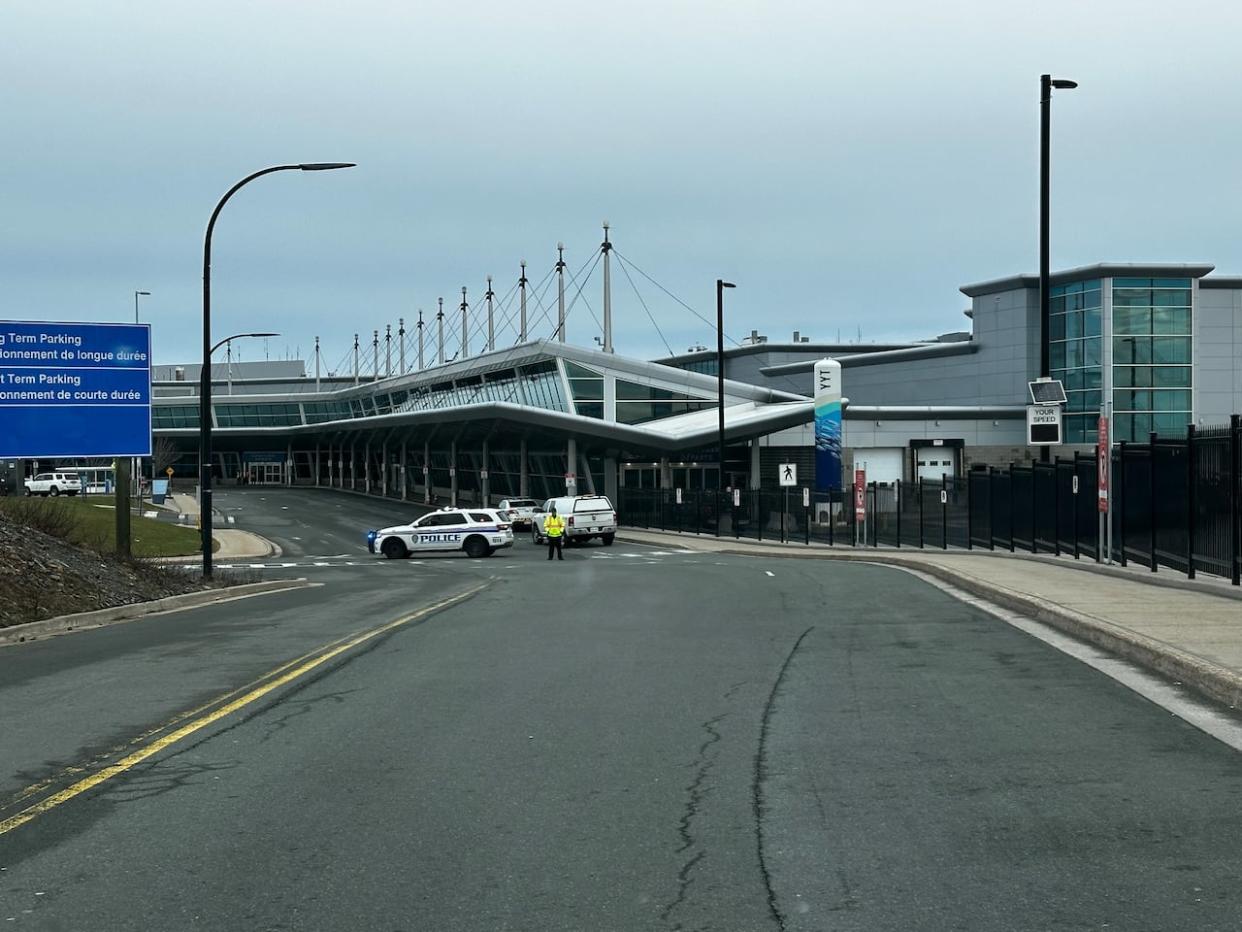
column 560, row 292
column 522, row 282
column 491, row 327
column 440, row 328
column 606, row 248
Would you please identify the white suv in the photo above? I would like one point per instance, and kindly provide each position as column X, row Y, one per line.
column 585, row 516
column 477, row 531
column 54, row 483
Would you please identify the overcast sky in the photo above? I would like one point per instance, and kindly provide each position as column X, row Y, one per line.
column 848, row 164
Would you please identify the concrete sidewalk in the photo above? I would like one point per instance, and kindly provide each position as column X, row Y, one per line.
column 1191, row 631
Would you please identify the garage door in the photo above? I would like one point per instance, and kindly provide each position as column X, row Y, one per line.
column 883, row 464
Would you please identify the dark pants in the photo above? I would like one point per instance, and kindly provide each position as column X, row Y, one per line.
column 554, row 544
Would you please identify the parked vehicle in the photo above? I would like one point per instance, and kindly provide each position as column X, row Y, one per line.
column 54, row 483
column 586, row 516
column 519, row 511
column 477, row 531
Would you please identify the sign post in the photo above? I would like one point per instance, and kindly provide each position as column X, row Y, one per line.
column 788, row 475
column 77, row 390
column 1103, row 480
column 860, row 504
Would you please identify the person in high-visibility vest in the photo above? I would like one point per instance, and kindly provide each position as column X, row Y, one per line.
column 554, row 528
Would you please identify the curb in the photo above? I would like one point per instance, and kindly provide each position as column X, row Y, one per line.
column 273, row 550
column 1210, row 679
column 61, row 624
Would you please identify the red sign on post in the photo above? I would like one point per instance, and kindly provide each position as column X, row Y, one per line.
column 860, row 494
column 1103, row 463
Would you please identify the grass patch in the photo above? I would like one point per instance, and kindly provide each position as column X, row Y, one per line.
column 80, row 521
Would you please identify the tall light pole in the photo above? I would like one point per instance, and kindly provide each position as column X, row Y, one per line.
column 204, row 392
column 136, row 294
column 137, row 461
column 720, row 369
column 1046, row 85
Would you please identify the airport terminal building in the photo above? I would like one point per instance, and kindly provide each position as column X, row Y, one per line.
column 1163, row 341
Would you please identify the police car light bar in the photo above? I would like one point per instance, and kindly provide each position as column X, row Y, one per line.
column 1047, row 392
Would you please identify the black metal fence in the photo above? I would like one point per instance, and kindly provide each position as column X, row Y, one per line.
column 1175, row 503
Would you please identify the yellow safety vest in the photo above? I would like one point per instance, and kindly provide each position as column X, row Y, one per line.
column 553, row 526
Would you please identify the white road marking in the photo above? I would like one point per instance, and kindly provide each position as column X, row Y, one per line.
column 1199, row 713
column 769, row 572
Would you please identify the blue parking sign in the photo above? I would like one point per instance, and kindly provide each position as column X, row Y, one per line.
column 74, row 389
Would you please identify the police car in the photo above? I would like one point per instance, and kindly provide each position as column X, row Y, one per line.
column 477, row 531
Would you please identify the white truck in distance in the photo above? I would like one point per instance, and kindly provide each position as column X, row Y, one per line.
column 520, row 511
column 54, row 483
column 585, row 516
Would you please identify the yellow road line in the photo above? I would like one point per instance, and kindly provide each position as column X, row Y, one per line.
column 35, row 788
column 137, row 757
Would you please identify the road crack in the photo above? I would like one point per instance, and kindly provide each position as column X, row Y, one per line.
column 761, row 775
column 696, row 792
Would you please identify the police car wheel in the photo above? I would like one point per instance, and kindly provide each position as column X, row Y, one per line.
column 393, row 549
column 476, row 547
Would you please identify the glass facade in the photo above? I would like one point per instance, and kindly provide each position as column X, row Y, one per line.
column 1152, row 357
column 167, row 417
column 587, row 387
column 638, row 403
column 1075, row 348
column 257, row 415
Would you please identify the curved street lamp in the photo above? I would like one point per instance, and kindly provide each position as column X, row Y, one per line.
column 204, row 406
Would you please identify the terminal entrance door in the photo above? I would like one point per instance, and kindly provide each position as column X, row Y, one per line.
column 267, row 473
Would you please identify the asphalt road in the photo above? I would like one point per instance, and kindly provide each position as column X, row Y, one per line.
column 632, row 739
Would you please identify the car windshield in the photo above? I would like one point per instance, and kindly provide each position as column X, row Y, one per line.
column 521, row 503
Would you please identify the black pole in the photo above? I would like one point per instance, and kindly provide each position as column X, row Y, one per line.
column 1235, row 480
column 721, row 285
column 944, row 511
column 920, row 512
column 1151, row 498
column 991, row 508
column 1045, row 125
column 1190, row 501
column 1056, row 506
column 898, row 514
column 1117, row 502
column 1075, row 499
column 204, row 392
column 970, row 513
column 1013, row 506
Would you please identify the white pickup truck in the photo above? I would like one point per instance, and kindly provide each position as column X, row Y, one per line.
column 585, row 516
column 520, row 511
column 54, row 483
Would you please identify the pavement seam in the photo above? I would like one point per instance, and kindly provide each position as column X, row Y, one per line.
column 761, row 774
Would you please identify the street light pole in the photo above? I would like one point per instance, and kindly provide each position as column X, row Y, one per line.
column 720, row 369
column 1046, row 85
column 136, row 294
column 204, row 391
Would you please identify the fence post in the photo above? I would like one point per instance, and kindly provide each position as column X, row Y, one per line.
column 944, row 511
column 759, row 513
column 899, row 514
column 1034, row 508
column 920, row 512
column 1118, row 503
column 832, row 521
column 806, row 517
column 719, row 508
column 970, row 514
column 875, row 505
column 1013, row 507
column 853, row 513
column 1151, row 504
column 1191, row 481
column 991, row 509
column 1056, row 506
column 1075, row 498
column 1235, row 479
